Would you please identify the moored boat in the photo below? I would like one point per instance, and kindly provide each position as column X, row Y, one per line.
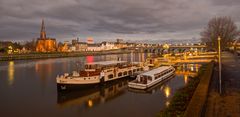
column 97, row 73
column 152, row 77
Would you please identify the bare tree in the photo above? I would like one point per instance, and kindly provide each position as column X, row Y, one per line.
column 30, row 45
column 219, row 26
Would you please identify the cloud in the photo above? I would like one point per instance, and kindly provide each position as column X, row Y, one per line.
column 111, row 19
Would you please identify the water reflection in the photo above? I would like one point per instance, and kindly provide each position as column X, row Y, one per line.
column 43, row 70
column 90, row 59
column 10, row 73
column 90, row 103
column 167, row 91
column 185, row 78
column 167, row 103
column 159, row 86
column 187, row 70
column 96, row 100
column 94, row 96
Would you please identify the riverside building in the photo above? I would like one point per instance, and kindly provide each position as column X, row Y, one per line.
column 44, row 43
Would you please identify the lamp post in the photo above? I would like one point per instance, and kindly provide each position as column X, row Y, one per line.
column 220, row 65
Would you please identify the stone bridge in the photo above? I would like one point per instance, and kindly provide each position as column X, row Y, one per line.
column 171, row 49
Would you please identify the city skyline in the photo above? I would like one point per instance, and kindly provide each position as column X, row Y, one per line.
column 130, row 20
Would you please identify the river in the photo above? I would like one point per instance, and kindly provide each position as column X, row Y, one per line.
column 28, row 88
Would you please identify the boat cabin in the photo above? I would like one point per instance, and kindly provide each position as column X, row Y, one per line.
column 102, row 65
column 154, row 74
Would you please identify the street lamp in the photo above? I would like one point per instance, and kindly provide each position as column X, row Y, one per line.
column 220, row 64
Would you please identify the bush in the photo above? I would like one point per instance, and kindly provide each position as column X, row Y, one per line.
column 182, row 97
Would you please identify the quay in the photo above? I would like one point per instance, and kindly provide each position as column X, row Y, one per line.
column 207, row 101
column 8, row 57
column 228, row 103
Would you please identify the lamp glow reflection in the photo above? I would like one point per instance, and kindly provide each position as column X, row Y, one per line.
column 185, row 79
column 10, row 72
column 167, row 91
column 90, row 103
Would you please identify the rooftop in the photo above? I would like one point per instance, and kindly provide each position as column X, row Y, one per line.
column 106, row 62
column 154, row 71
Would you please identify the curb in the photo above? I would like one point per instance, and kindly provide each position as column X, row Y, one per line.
column 196, row 105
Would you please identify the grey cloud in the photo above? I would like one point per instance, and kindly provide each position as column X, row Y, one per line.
column 226, row 2
column 20, row 19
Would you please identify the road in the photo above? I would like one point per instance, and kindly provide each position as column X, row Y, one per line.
column 227, row 104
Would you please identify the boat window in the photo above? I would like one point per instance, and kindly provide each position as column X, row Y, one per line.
column 120, row 74
column 125, row 73
column 130, row 72
column 149, row 78
column 110, row 76
column 143, row 79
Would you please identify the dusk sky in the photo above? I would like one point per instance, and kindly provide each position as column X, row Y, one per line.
column 20, row 20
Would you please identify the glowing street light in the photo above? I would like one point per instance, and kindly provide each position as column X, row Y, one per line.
column 220, row 64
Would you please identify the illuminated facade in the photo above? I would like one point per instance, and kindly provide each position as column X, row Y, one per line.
column 90, row 40
column 64, row 47
column 45, row 44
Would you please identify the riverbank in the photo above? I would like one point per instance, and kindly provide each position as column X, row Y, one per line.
column 186, row 97
column 10, row 57
column 228, row 103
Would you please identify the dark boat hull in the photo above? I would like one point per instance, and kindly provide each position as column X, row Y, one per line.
column 72, row 87
column 68, row 87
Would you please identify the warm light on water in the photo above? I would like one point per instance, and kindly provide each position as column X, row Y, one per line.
column 90, row 59
column 11, row 72
column 185, row 79
column 192, row 68
column 197, row 66
column 167, row 91
column 35, row 84
column 167, row 103
column 90, row 103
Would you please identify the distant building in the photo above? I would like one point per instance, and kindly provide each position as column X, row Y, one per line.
column 236, row 45
column 119, row 40
column 81, row 46
column 75, row 41
column 90, row 40
column 94, row 47
column 45, row 44
column 108, row 46
column 78, row 46
column 64, row 47
column 120, row 44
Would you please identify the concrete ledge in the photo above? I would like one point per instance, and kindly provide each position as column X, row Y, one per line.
column 196, row 105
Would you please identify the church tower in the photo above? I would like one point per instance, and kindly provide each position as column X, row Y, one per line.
column 45, row 44
column 43, row 32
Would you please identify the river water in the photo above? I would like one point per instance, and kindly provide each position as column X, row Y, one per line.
column 28, row 88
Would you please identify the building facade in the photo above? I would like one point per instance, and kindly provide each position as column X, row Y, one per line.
column 45, row 44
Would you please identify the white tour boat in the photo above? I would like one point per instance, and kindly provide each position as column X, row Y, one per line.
column 98, row 72
column 152, row 77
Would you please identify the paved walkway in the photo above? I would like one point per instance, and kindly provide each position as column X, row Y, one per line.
column 227, row 104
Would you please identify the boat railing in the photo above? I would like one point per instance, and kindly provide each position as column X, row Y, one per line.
column 141, row 81
column 89, row 73
column 136, row 82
